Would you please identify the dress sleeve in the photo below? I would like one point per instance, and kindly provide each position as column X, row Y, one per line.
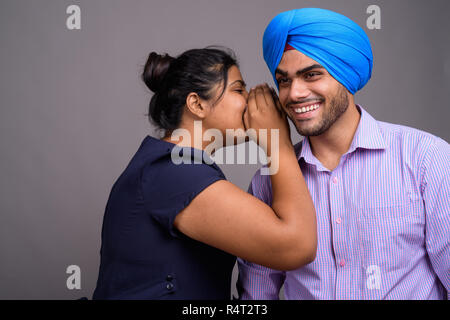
column 168, row 188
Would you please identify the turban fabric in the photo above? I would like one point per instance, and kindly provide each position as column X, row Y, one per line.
column 333, row 40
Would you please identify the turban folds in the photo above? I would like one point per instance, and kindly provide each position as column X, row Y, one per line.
column 333, row 40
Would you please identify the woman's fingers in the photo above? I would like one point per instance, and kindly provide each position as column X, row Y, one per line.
column 251, row 105
column 264, row 112
column 277, row 101
column 260, row 98
column 266, row 98
column 268, row 95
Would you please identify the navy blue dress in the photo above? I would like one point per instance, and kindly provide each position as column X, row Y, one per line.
column 143, row 256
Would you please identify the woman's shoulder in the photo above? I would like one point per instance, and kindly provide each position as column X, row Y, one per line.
column 173, row 178
column 152, row 149
column 165, row 160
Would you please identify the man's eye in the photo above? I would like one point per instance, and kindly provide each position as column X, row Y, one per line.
column 311, row 74
column 282, row 81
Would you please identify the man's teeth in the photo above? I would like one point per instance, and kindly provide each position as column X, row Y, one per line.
column 306, row 109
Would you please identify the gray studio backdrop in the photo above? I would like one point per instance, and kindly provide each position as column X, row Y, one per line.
column 73, row 107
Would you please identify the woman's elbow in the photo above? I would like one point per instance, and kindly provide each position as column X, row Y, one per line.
column 310, row 253
column 295, row 257
column 301, row 258
column 302, row 253
column 300, row 245
column 293, row 249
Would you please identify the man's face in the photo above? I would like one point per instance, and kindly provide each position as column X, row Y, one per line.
column 312, row 98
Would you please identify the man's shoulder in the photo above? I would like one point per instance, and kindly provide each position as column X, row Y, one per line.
column 408, row 135
column 415, row 146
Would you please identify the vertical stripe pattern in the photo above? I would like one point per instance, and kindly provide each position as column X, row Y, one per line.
column 383, row 221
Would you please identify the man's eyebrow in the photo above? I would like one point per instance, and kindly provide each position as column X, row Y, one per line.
column 301, row 71
column 239, row 81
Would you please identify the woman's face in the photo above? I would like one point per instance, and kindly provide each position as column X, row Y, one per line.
column 228, row 112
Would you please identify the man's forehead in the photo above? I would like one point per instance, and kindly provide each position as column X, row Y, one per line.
column 292, row 60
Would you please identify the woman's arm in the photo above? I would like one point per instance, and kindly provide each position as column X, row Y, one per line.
column 223, row 216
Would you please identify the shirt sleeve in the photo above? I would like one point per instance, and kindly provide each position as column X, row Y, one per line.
column 168, row 188
column 436, row 194
column 256, row 282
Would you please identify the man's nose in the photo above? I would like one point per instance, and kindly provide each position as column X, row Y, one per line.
column 298, row 90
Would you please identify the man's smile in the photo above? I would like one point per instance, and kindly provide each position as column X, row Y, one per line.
column 305, row 111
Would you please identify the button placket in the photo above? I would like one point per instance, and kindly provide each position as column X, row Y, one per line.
column 339, row 236
column 169, row 284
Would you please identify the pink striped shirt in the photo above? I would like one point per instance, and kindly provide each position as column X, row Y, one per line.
column 383, row 221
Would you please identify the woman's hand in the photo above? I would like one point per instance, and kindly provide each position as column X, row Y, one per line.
column 264, row 111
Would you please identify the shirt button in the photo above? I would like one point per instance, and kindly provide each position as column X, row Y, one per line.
column 169, row 277
column 342, row 263
column 335, row 180
column 338, row 220
column 169, row 286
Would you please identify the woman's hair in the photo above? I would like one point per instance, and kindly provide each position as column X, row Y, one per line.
column 172, row 79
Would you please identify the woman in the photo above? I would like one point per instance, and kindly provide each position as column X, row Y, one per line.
column 173, row 231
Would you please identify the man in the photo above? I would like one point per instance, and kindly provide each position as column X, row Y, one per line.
column 381, row 191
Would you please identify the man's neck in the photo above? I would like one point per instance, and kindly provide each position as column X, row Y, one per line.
column 329, row 147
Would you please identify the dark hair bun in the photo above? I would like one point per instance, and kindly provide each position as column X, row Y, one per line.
column 172, row 80
column 155, row 70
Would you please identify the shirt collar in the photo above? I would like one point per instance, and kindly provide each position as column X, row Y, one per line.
column 367, row 136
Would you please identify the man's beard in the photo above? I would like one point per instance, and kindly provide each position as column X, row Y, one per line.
column 337, row 106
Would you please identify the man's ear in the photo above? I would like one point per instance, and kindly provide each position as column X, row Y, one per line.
column 196, row 105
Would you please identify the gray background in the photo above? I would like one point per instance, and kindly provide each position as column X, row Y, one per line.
column 73, row 107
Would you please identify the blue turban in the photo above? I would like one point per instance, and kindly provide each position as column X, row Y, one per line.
column 333, row 40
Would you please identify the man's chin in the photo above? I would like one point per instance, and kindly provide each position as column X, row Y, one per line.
column 310, row 132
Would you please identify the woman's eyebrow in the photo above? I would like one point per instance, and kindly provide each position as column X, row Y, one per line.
column 239, row 81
